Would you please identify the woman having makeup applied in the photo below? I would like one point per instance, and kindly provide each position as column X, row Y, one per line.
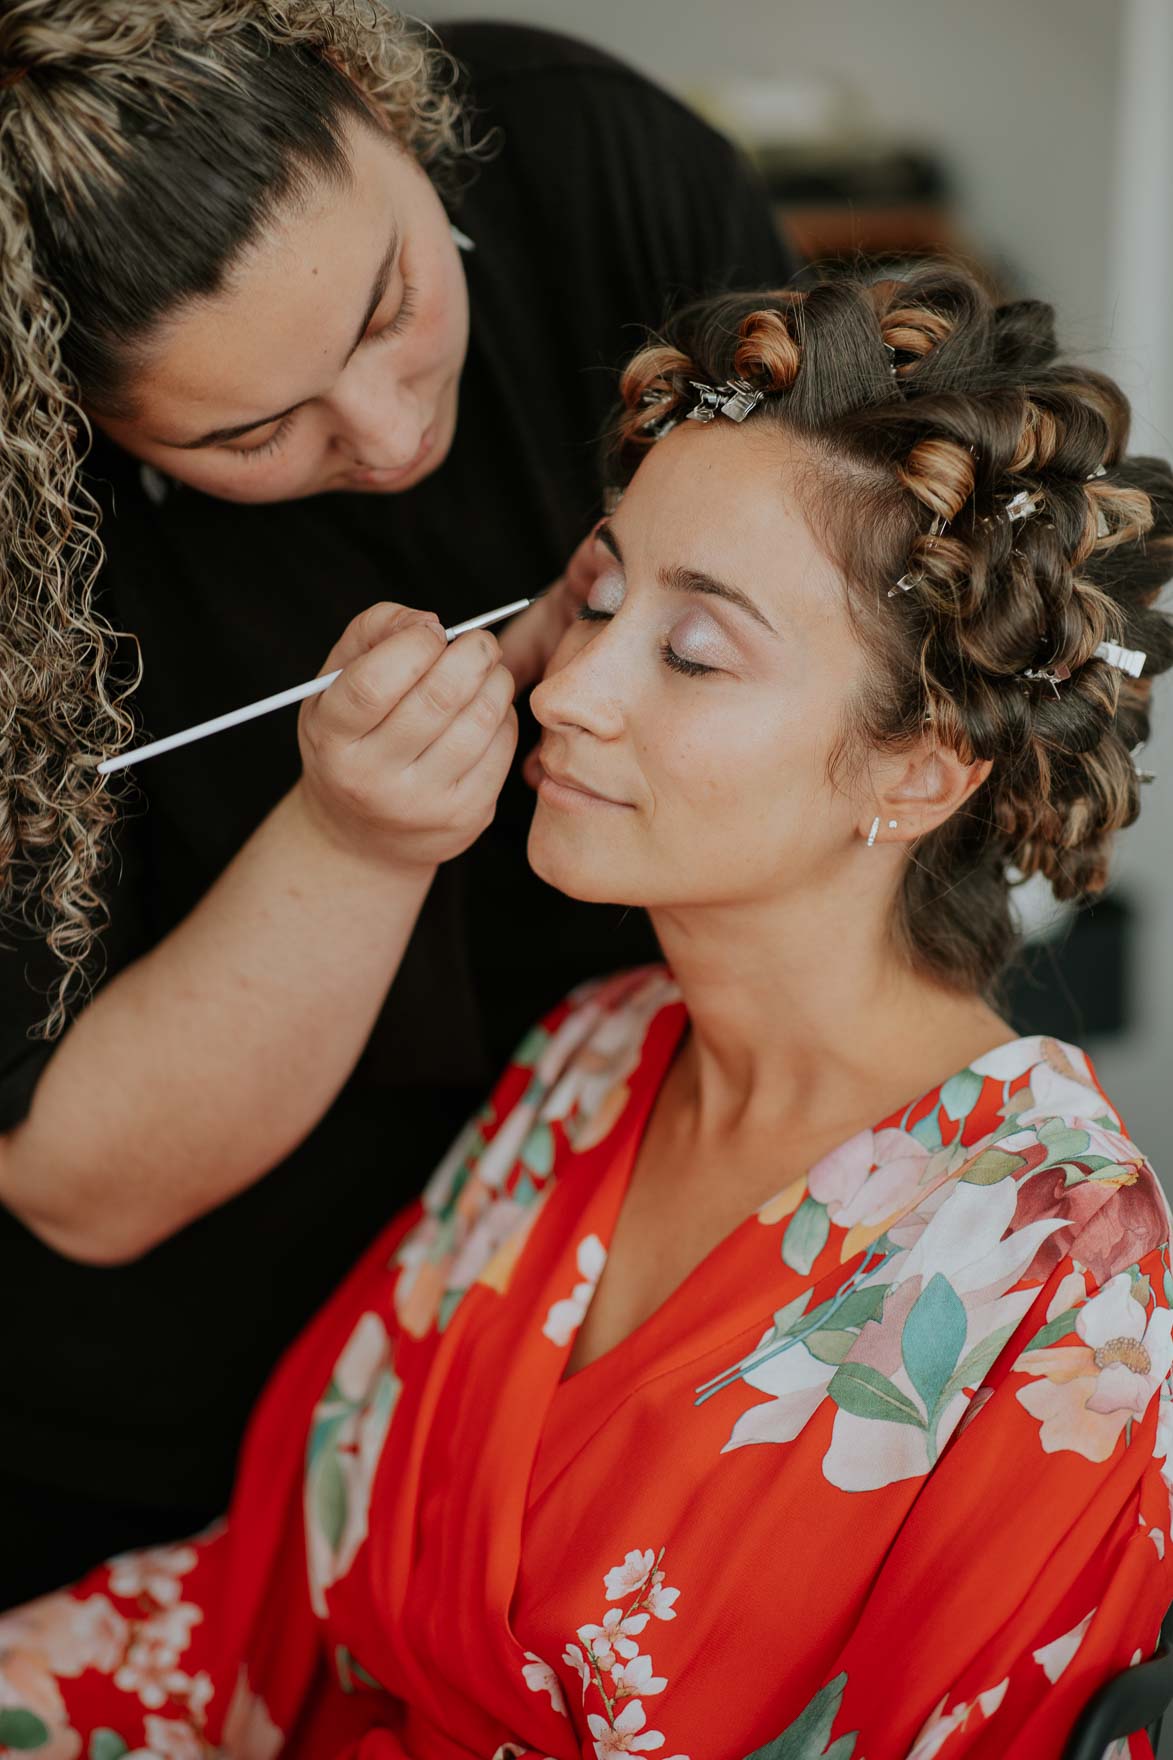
column 342, row 314
column 778, row 1363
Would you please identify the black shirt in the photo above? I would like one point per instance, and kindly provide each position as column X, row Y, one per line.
column 125, row 1390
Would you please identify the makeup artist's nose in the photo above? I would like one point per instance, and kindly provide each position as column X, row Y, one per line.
column 379, row 422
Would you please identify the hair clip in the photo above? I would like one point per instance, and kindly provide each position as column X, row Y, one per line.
column 734, row 399
column 1130, row 660
column 905, row 584
column 612, row 496
column 1141, row 775
column 661, row 425
column 891, row 347
column 1024, row 504
column 1054, row 675
column 1101, row 470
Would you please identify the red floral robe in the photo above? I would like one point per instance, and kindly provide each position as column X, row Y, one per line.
column 883, row 1479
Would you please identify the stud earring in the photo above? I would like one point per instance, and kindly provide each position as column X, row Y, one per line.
column 874, row 829
column 891, row 824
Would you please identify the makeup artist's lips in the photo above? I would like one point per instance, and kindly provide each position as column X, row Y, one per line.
column 563, row 791
column 384, row 479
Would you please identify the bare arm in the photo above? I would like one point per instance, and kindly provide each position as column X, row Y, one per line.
column 205, row 1062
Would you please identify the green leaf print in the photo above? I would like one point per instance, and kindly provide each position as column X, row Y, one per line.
column 531, row 1048
column 807, row 1737
column 107, row 1744
column 990, row 1167
column 1065, row 1142
column 330, row 1500
column 960, row 1094
column 830, row 1346
column 789, row 1317
column 21, row 1729
column 537, row 1152
column 1053, row 1331
column 860, row 1305
column 806, row 1236
column 927, row 1131
column 933, row 1338
column 977, row 1363
column 865, row 1393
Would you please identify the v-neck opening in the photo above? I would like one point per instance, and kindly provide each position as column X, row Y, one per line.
column 638, row 1122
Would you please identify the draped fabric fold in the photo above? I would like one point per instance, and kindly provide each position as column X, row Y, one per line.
column 882, row 1479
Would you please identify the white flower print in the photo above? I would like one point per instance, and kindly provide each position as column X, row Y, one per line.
column 540, row 1678
column 613, row 1637
column 636, row 1677
column 566, row 1316
column 622, row 1735
column 149, row 1667
column 610, row 1663
column 573, row 1657
column 629, row 1576
column 1054, row 1657
column 71, row 1635
column 942, row 1724
column 168, row 1739
column 154, row 1572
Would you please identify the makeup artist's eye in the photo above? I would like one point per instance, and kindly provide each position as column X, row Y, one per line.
column 269, row 446
column 691, row 668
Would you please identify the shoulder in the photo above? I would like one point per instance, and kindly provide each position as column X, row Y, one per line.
column 1039, row 1119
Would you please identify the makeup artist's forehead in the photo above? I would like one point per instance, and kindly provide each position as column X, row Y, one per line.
column 730, row 502
column 279, row 330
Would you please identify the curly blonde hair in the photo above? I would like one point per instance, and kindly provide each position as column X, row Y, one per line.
column 96, row 96
column 926, row 408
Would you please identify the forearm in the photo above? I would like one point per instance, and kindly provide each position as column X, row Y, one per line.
column 203, row 1064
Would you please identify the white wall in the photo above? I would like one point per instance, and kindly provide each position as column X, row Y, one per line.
column 1053, row 119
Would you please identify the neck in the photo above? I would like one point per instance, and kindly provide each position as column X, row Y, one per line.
column 801, row 1012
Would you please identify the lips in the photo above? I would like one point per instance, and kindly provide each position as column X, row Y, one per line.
column 565, row 780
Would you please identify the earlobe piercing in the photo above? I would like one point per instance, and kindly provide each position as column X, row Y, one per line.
column 891, row 824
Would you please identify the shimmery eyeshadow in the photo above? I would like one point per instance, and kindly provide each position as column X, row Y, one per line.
column 698, row 638
column 607, row 592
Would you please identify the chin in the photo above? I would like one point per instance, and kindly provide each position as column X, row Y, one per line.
column 586, row 876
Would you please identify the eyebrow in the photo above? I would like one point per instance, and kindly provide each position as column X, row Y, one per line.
column 378, row 289
column 692, row 580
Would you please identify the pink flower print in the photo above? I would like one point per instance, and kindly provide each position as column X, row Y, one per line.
column 614, row 1635
column 624, row 1579
column 566, row 1316
column 658, row 1600
column 249, row 1731
column 1085, row 1394
column 540, row 1678
column 622, row 1736
column 871, row 1177
column 71, row 1635
column 154, row 1573
column 636, row 1677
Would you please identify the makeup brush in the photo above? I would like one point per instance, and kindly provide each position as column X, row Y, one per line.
column 294, row 695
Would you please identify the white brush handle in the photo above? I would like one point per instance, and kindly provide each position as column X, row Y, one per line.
column 296, row 694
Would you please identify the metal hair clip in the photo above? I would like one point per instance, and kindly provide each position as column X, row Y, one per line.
column 655, row 430
column 1101, row 470
column 907, row 581
column 891, row 358
column 1054, row 675
column 612, row 496
column 1024, row 504
column 1141, row 775
column 734, row 399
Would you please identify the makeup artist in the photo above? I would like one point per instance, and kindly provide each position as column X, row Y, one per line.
column 342, row 323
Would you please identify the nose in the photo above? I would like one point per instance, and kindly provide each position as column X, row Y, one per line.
column 379, row 422
column 584, row 687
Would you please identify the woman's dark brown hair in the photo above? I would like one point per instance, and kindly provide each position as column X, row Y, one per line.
column 925, row 407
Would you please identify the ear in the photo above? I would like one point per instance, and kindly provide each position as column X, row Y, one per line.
column 927, row 788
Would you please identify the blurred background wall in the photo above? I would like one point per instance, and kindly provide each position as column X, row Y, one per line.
column 1035, row 138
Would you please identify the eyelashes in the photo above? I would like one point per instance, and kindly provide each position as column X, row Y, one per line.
column 399, row 323
column 677, row 662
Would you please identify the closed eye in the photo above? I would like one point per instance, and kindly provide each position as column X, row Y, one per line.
column 677, row 662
